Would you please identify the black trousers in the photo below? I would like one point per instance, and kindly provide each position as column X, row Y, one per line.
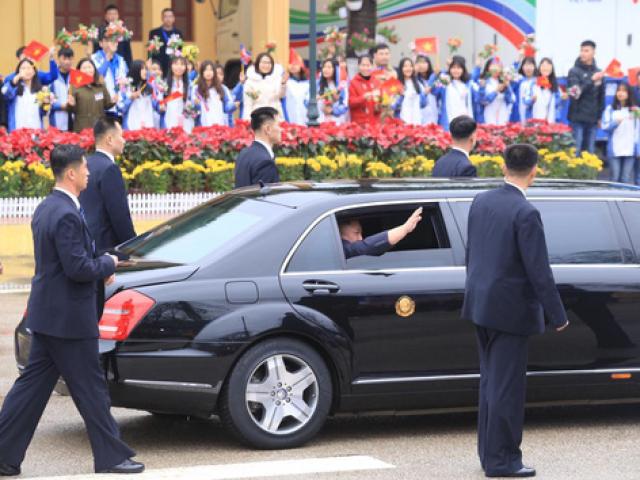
column 77, row 361
column 503, row 383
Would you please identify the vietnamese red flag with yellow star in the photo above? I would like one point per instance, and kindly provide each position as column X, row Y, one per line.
column 35, row 50
column 79, row 79
column 614, row 69
column 426, row 45
column 392, row 87
column 633, row 76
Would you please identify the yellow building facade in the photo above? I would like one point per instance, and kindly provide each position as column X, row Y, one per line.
column 26, row 20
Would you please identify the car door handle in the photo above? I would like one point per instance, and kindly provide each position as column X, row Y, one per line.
column 319, row 287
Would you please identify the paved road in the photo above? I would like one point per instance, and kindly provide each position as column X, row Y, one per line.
column 563, row 443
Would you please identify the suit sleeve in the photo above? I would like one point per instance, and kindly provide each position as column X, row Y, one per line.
column 77, row 264
column 469, row 170
column 374, row 245
column 115, row 201
column 267, row 171
column 535, row 257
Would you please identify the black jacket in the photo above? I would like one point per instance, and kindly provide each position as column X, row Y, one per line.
column 105, row 203
column 374, row 245
column 454, row 164
column 254, row 164
column 163, row 35
column 509, row 280
column 63, row 290
column 589, row 106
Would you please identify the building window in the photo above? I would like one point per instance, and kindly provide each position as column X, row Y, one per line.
column 71, row 13
column 183, row 10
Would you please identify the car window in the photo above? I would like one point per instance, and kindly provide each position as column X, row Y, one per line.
column 319, row 250
column 204, row 230
column 427, row 246
column 631, row 213
column 577, row 232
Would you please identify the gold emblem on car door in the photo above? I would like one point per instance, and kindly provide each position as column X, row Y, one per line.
column 405, row 306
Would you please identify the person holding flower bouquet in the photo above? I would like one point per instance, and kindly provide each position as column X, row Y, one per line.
column 495, row 94
column 137, row 100
column 547, row 98
column 112, row 15
column 426, row 76
column 295, row 107
column 523, row 90
column 21, row 95
column 408, row 107
column 89, row 102
column 332, row 95
column 60, row 117
column 213, row 101
column 265, row 86
column 110, row 65
column 172, row 109
column 164, row 32
column 365, row 94
column 456, row 92
column 621, row 123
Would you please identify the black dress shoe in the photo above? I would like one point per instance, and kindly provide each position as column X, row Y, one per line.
column 128, row 466
column 523, row 472
column 7, row 470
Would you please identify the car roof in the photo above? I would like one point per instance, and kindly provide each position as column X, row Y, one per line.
column 303, row 193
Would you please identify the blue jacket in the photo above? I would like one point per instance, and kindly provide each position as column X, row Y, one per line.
column 105, row 203
column 609, row 126
column 454, row 163
column 509, row 280
column 10, row 93
column 67, row 275
column 440, row 93
column 228, row 105
column 46, row 78
column 422, row 98
column 374, row 245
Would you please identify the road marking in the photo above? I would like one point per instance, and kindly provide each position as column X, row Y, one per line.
column 277, row 468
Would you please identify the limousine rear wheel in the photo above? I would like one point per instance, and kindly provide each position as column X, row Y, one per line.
column 278, row 395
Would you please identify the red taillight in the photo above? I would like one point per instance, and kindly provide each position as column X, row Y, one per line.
column 122, row 313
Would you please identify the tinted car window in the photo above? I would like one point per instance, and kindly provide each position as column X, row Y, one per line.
column 203, row 230
column 631, row 213
column 318, row 251
column 576, row 231
column 427, row 246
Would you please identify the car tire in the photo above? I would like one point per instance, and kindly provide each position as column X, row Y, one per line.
column 278, row 395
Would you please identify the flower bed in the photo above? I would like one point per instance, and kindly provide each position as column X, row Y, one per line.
column 158, row 161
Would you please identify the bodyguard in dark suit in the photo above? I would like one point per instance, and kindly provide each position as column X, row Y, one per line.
column 509, row 288
column 105, row 199
column 62, row 316
column 455, row 163
column 375, row 245
column 257, row 162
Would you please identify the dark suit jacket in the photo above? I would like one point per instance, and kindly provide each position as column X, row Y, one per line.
column 105, row 203
column 63, row 290
column 509, row 280
column 253, row 164
column 454, row 163
column 162, row 54
column 374, row 245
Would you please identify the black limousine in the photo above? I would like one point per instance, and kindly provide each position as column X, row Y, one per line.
column 246, row 308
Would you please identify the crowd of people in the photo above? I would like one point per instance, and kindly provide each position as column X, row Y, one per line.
column 171, row 90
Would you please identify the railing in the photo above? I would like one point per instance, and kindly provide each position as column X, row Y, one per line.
column 141, row 204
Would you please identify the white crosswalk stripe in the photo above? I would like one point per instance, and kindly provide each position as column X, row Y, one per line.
column 277, row 468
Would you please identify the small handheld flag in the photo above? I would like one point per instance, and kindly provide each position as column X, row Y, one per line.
column 633, row 76
column 393, row 86
column 295, row 58
column 35, row 50
column 79, row 79
column 245, row 55
column 614, row 69
column 426, row 45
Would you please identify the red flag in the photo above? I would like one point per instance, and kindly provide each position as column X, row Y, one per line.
column 245, row 55
column 633, row 76
column 79, row 79
column 35, row 50
column 393, row 86
column 613, row 69
column 174, row 96
column 295, row 58
column 426, row 45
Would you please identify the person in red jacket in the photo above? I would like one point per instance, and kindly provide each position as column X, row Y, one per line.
column 364, row 94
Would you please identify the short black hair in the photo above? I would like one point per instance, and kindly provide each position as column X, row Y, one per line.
column 520, row 158
column 261, row 115
column 379, row 46
column 165, row 10
column 462, row 127
column 103, row 126
column 111, row 6
column 588, row 43
column 64, row 156
column 65, row 52
column 362, row 57
column 19, row 51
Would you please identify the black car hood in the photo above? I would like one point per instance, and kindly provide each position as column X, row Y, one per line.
column 139, row 272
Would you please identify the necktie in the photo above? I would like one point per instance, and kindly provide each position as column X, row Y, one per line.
column 84, row 220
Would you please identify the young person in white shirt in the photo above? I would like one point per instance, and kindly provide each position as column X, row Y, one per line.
column 621, row 123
